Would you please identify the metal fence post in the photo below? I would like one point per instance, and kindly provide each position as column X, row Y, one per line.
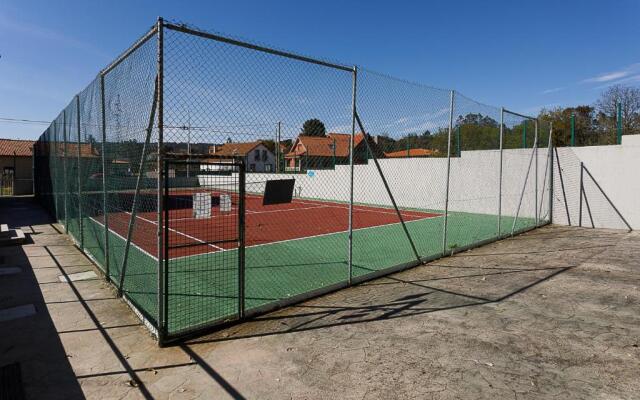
column 550, row 172
column 351, row 169
column 446, row 199
column 535, row 144
column 105, row 213
column 78, row 132
column 581, row 191
column 619, row 123
column 162, row 281
column 65, row 184
column 573, row 130
column 500, row 172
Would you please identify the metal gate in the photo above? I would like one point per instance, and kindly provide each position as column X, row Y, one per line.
column 6, row 183
column 204, row 212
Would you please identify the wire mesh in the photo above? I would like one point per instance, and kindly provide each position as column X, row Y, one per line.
column 474, row 183
column 397, row 114
column 383, row 173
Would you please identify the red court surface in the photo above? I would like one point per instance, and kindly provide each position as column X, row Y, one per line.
column 264, row 224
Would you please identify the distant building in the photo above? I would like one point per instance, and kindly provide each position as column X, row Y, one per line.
column 412, row 153
column 257, row 157
column 16, row 168
column 324, row 152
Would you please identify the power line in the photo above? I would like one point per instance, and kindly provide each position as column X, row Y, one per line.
column 23, row 121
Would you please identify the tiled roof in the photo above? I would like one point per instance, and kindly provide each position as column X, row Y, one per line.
column 322, row 146
column 21, row 148
column 233, row 149
column 411, row 153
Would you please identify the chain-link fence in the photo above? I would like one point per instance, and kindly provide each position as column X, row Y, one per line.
column 213, row 179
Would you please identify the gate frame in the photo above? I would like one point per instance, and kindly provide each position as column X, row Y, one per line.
column 238, row 162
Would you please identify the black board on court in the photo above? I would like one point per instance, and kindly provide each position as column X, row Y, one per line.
column 278, row 191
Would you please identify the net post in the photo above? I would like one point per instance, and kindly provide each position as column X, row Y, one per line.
column 581, row 192
column 162, row 267
column 446, row 199
column 64, row 170
column 535, row 149
column 500, row 172
column 524, row 134
column 351, row 169
column 105, row 214
column 78, row 133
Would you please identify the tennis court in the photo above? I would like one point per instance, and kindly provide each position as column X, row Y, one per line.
column 290, row 248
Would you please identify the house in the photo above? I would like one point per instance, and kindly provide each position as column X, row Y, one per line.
column 324, row 152
column 16, row 167
column 412, row 153
column 257, row 157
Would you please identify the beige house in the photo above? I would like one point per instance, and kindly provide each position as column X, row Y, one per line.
column 16, row 167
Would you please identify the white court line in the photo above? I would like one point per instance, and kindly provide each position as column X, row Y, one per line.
column 308, row 237
column 123, row 238
column 180, row 233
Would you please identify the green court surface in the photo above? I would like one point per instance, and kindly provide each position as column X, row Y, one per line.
column 203, row 288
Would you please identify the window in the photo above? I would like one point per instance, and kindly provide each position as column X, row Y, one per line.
column 264, row 155
column 268, row 168
column 252, row 167
column 257, row 155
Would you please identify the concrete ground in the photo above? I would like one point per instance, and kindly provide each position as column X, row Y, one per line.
column 552, row 314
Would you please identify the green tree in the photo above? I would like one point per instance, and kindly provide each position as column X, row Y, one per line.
column 313, row 127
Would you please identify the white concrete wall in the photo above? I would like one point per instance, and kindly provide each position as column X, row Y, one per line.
column 474, row 183
column 615, row 168
column 421, row 182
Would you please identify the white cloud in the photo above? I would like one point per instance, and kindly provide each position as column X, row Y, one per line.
column 552, row 90
column 614, row 75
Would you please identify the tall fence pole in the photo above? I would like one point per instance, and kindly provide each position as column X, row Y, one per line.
column 581, row 191
column 446, row 196
column 278, row 127
column 351, row 169
column 65, row 183
column 105, row 214
column 551, row 172
column 535, row 144
column 524, row 134
column 162, row 267
column 500, row 172
column 619, row 123
column 573, row 130
column 78, row 133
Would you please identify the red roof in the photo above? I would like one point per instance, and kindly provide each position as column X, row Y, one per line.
column 411, row 153
column 20, row 148
column 233, row 149
column 322, row 146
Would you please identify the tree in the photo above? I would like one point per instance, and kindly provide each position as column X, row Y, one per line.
column 629, row 99
column 313, row 127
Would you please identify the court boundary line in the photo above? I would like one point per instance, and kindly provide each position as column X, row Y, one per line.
column 307, row 237
column 123, row 238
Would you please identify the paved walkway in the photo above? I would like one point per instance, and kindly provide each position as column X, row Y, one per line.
column 554, row 313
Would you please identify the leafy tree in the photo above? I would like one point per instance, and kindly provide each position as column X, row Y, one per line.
column 629, row 99
column 313, row 127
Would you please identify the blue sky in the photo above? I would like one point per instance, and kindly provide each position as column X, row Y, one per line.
column 521, row 55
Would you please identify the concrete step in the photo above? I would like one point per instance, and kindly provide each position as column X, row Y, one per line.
column 4, row 230
column 15, row 236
